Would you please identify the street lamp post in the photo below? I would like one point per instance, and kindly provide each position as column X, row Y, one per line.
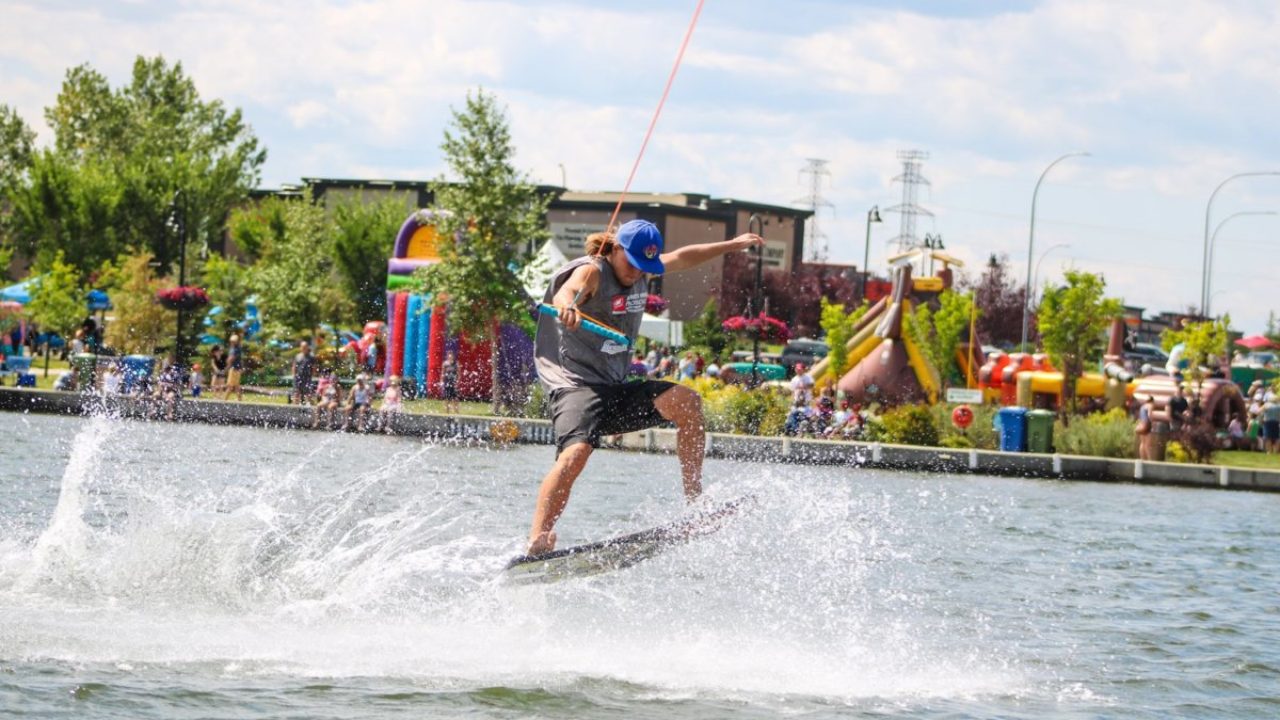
column 1031, row 242
column 180, row 223
column 1213, row 243
column 1051, row 248
column 755, row 224
column 873, row 215
column 1204, row 259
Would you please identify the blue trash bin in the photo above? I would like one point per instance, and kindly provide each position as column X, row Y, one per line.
column 137, row 369
column 1011, row 424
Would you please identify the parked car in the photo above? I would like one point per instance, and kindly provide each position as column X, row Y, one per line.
column 802, row 350
column 1147, row 354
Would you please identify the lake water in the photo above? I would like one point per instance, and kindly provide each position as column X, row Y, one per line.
column 185, row 571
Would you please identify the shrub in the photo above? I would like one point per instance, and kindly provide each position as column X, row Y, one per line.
column 909, row 425
column 1109, row 434
column 730, row 408
column 1175, row 452
column 1200, row 441
column 980, row 434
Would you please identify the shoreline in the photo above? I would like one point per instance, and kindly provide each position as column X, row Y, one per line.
column 475, row 429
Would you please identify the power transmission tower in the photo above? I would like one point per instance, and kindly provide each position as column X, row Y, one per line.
column 815, row 239
column 908, row 209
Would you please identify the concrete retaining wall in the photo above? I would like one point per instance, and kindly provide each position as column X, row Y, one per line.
column 461, row 428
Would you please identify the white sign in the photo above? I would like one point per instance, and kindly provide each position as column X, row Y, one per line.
column 775, row 254
column 964, row 395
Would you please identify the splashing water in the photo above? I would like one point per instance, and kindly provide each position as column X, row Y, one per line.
column 291, row 557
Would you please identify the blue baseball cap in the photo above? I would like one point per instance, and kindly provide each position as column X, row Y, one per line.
column 643, row 245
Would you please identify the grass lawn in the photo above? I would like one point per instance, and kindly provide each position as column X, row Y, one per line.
column 1244, row 458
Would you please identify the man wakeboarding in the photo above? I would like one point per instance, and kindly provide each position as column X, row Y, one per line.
column 585, row 373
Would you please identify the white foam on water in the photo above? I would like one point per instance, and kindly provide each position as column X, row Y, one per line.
column 391, row 571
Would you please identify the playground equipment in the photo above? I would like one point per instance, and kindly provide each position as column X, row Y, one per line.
column 417, row 335
column 886, row 365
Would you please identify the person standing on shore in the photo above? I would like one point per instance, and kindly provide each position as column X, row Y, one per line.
column 217, row 371
column 585, row 374
column 1271, row 423
column 1143, row 428
column 304, row 365
column 449, row 383
column 235, row 366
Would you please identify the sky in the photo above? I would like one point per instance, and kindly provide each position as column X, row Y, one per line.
column 1170, row 99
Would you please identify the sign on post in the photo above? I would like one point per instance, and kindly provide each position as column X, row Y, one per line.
column 964, row 395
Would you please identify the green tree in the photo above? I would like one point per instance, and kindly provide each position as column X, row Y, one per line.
column 68, row 209
column 140, row 325
column 707, row 331
column 255, row 227
column 157, row 146
column 1073, row 321
column 57, row 301
column 295, row 277
column 362, row 243
column 489, row 216
column 227, row 283
column 938, row 333
column 17, row 144
column 1204, row 343
column 838, row 325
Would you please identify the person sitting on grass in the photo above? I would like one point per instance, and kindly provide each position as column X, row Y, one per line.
column 329, row 392
column 170, row 391
column 358, row 401
column 66, row 381
column 392, row 405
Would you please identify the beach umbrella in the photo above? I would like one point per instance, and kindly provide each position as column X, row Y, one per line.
column 19, row 293
column 98, row 301
column 1255, row 342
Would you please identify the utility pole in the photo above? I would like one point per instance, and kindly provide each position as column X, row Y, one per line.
column 816, row 240
column 909, row 209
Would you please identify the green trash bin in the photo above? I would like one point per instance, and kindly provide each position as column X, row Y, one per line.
column 1040, row 431
column 84, row 366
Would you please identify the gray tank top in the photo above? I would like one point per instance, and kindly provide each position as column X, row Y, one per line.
column 573, row 358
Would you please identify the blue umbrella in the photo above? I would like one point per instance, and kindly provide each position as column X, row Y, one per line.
column 19, row 293
column 97, row 300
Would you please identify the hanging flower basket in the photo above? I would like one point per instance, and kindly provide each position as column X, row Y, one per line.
column 763, row 326
column 655, row 304
column 182, row 298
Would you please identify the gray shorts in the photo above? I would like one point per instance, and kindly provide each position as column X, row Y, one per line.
column 588, row 413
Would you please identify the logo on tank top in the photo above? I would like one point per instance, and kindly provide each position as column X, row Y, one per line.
column 611, row 347
column 623, row 304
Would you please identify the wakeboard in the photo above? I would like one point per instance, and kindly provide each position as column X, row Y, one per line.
column 620, row 552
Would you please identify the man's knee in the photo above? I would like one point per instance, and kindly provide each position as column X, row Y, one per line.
column 574, row 455
column 681, row 405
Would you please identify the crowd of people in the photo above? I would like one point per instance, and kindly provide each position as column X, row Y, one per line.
column 1257, row 428
column 824, row 413
column 660, row 363
column 364, row 403
column 334, row 406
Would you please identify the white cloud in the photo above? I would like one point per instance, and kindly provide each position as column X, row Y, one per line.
column 1170, row 99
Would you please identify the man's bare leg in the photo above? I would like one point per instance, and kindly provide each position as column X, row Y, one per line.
column 683, row 406
column 553, row 495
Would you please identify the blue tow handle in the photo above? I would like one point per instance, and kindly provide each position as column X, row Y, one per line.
column 589, row 325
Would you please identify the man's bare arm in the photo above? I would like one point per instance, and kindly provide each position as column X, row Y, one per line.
column 580, row 286
column 694, row 255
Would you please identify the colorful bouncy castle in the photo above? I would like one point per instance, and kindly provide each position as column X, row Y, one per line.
column 418, row 335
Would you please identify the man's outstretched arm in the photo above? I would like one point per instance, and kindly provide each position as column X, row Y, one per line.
column 694, row 255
